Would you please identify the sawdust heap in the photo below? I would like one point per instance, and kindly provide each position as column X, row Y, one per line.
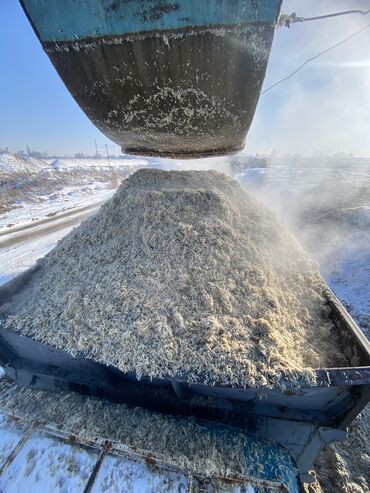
column 345, row 467
column 182, row 273
column 187, row 444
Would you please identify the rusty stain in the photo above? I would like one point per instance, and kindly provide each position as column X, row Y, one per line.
column 150, row 460
column 290, row 392
column 71, row 439
column 230, row 480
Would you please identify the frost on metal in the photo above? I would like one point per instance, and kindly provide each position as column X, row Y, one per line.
column 254, row 43
column 182, row 274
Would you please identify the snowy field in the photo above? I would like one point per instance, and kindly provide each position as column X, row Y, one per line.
column 58, row 201
column 11, row 163
column 325, row 203
column 29, row 231
column 68, row 163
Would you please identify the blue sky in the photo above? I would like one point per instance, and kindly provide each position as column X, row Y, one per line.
column 36, row 108
column 325, row 107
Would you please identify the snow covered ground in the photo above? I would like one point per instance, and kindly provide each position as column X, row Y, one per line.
column 9, row 163
column 25, row 180
column 57, row 201
column 16, row 259
column 46, row 464
column 42, row 201
column 30, row 231
column 66, row 163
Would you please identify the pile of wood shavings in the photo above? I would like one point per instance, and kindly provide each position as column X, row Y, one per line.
column 183, row 443
column 345, row 467
column 182, row 273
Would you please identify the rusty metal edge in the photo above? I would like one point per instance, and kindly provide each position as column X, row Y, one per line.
column 94, row 474
column 13, row 454
column 341, row 311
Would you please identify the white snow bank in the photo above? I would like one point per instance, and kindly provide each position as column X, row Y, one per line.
column 65, row 163
column 9, row 164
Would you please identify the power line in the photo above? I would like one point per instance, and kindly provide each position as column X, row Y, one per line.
column 314, row 58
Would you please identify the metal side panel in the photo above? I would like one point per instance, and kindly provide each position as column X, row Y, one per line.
column 321, row 403
column 353, row 341
column 10, row 288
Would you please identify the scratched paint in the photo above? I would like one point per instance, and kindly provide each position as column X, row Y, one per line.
column 73, row 19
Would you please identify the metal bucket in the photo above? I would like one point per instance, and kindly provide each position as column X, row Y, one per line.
column 177, row 78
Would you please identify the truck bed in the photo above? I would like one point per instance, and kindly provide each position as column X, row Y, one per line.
column 301, row 416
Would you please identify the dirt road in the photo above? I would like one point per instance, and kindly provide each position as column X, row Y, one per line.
column 47, row 225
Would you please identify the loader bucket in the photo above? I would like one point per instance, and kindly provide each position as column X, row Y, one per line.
column 175, row 78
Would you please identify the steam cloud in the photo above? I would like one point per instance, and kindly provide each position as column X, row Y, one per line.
column 326, row 106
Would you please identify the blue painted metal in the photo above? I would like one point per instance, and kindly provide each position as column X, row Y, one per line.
column 77, row 19
column 271, row 462
column 270, row 466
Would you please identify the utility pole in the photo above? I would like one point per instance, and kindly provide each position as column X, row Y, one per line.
column 106, row 148
column 96, row 150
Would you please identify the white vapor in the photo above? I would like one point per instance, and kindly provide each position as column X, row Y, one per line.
column 323, row 107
